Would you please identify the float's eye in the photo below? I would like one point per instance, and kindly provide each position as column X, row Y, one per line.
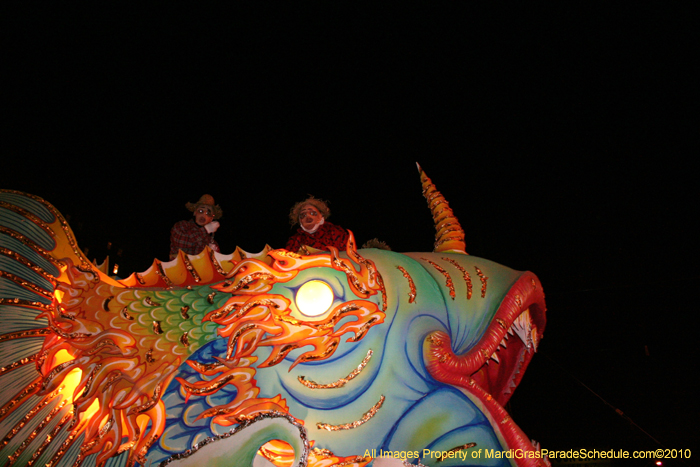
column 314, row 298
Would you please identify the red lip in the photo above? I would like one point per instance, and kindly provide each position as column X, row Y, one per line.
column 490, row 371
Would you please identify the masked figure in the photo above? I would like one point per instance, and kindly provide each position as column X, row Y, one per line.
column 194, row 235
column 314, row 230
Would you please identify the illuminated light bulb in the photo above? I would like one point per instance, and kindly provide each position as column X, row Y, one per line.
column 116, row 268
column 314, row 298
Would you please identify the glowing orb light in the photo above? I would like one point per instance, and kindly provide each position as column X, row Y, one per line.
column 314, row 298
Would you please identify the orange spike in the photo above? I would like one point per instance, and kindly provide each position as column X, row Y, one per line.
column 449, row 235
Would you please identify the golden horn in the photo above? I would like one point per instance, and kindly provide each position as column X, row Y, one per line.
column 449, row 235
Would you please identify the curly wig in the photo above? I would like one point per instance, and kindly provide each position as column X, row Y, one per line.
column 319, row 204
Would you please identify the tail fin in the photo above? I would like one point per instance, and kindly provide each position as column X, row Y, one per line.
column 36, row 244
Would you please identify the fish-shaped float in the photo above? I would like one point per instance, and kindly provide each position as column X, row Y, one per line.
column 327, row 358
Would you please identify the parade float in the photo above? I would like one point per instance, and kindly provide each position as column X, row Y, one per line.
column 312, row 358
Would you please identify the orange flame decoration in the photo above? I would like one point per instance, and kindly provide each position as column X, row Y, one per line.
column 252, row 318
column 118, row 391
column 107, row 335
column 282, row 455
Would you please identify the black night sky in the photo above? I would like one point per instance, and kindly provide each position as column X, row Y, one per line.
column 562, row 136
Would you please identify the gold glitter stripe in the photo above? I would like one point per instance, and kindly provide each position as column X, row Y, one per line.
column 190, row 268
column 139, row 278
column 458, row 237
column 349, row 426
column 484, row 280
column 64, row 335
column 245, row 423
column 25, row 303
column 56, row 370
column 22, row 334
column 380, row 279
column 85, row 265
column 216, row 384
column 234, row 338
column 324, row 354
column 465, row 275
column 31, row 414
column 264, row 276
column 448, row 279
column 412, row 294
column 28, row 215
column 26, row 284
column 28, row 391
column 29, row 243
column 149, row 301
column 215, row 263
column 149, row 404
column 62, row 449
column 362, row 331
column 18, row 363
column 282, row 354
column 207, row 367
column 342, row 381
column 244, row 309
column 35, row 433
column 161, row 273
column 372, row 271
column 352, row 277
column 25, row 262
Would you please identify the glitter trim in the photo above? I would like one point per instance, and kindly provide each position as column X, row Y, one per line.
column 465, row 275
column 22, row 334
column 190, row 268
column 349, row 426
column 448, row 279
column 25, row 262
column 215, row 263
column 245, row 423
column 18, row 363
column 412, row 294
column 484, row 281
column 161, row 273
column 25, row 303
column 342, row 381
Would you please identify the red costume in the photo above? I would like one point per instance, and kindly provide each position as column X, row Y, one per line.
column 328, row 234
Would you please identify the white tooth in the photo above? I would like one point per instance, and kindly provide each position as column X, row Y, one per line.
column 522, row 334
column 523, row 327
column 503, row 343
column 495, row 357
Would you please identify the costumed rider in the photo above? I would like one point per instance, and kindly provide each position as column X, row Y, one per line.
column 314, row 230
column 193, row 235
